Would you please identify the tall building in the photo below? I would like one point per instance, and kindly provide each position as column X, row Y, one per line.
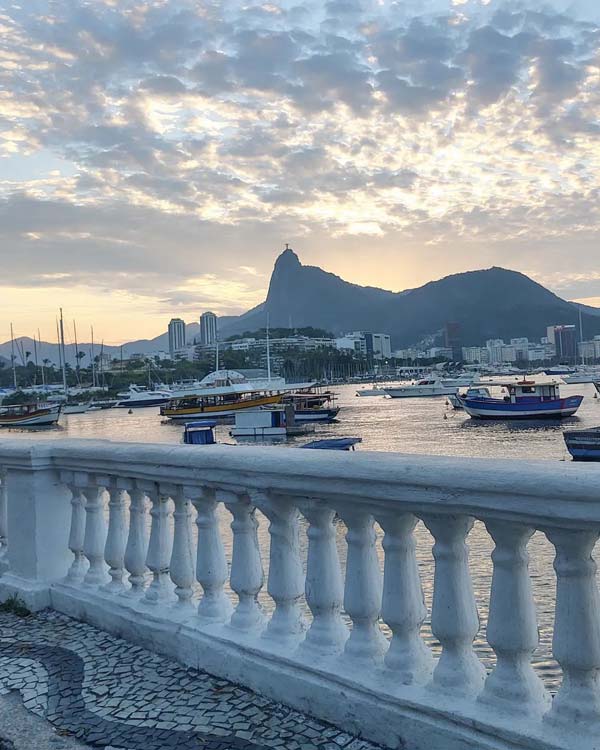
column 452, row 340
column 176, row 335
column 208, row 329
column 564, row 338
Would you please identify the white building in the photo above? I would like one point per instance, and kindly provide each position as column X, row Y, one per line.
column 208, row 329
column 475, row 355
column 176, row 335
column 375, row 345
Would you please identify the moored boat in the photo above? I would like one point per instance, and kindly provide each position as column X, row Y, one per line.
column 137, row 397
column 523, row 399
column 215, row 406
column 312, row 406
column 583, row 445
column 422, row 388
column 29, row 415
column 75, row 408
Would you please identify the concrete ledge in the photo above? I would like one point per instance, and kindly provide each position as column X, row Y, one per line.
column 34, row 595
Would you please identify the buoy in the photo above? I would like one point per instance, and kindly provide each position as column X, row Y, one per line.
column 130, row 411
column 445, row 416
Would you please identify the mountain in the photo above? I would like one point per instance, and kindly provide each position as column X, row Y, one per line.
column 490, row 303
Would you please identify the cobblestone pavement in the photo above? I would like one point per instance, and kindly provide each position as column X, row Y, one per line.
column 108, row 693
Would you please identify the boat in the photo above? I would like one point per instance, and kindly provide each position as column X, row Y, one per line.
column 200, row 433
column 583, row 445
column 313, row 406
column 582, row 376
column 456, row 399
column 216, row 405
column 523, row 399
column 268, row 422
column 597, row 385
column 334, row 444
column 29, row 415
column 75, row 408
column 421, row 389
column 138, row 396
column 376, row 390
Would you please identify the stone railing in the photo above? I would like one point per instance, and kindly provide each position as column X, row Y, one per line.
column 127, row 536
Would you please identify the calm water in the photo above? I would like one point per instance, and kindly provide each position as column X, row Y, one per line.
column 426, row 426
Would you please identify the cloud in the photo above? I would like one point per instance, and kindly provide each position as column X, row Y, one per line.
column 185, row 139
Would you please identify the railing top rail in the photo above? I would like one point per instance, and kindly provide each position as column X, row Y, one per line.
column 544, row 492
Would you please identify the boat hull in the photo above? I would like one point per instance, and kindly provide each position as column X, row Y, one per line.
column 499, row 409
column 316, row 415
column 416, row 391
column 583, row 445
column 135, row 403
column 216, row 412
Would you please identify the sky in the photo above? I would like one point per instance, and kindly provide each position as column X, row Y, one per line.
column 156, row 156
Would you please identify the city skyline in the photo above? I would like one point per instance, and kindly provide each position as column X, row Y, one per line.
column 159, row 172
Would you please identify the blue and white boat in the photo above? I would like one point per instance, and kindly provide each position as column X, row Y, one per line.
column 523, row 399
column 583, row 445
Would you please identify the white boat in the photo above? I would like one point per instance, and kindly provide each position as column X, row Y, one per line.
column 376, row 390
column 582, row 376
column 138, row 396
column 421, row 389
column 75, row 408
column 268, row 422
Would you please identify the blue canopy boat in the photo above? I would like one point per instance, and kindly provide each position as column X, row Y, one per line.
column 201, row 432
column 583, row 445
column 524, row 399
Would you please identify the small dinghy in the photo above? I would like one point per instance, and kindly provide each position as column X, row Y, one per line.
column 583, row 445
column 334, row 444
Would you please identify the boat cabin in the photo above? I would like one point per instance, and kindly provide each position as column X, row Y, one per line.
column 528, row 391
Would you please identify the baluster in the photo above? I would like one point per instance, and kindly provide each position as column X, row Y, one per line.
column 286, row 577
column 114, row 551
column 76, row 572
column 94, row 537
column 576, row 641
column 454, row 618
column 182, row 558
column 512, row 624
column 160, row 546
column 211, row 563
column 247, row 576
column 324, row 589
column 137, row 541
column 403, row 607
column 363, row 588
column 3, row 522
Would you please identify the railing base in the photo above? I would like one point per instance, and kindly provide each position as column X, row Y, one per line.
column 35, row 595
column 374, row 709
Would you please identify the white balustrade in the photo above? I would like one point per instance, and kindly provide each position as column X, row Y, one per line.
column 91, row 523
column 512, row 624
column 403, row 602
column 211, row 562
column 286, row 577
column 116, row 539
column 94, row 537
column 576, row 642
column 324, row 586
column 247, row 576
column 136, row 548
column 3, row 522
column 182, row 557
column 454, row 618
column 160, row 545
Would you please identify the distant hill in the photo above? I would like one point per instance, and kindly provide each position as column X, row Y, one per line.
column 491, row 303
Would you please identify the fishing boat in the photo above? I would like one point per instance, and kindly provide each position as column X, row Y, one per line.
column 138, row 396
column 583, row 445
column 29, row 415
column 523, row 399
column 422, row 388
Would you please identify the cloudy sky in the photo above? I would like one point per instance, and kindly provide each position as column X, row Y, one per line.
column 155, row 156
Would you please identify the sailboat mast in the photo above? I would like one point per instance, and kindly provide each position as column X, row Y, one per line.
column 42, row 365
column 35, row 358
column 92, row 358
column 76, row 353
column 12, row 355
column 581, row 337
column 62, row 347
column 268, row 352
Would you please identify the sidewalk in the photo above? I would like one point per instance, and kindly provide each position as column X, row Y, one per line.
column 103, row 691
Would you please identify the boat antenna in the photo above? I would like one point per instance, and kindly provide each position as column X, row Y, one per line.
column 269, row 349
column 62, row 347
column 12, row 356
